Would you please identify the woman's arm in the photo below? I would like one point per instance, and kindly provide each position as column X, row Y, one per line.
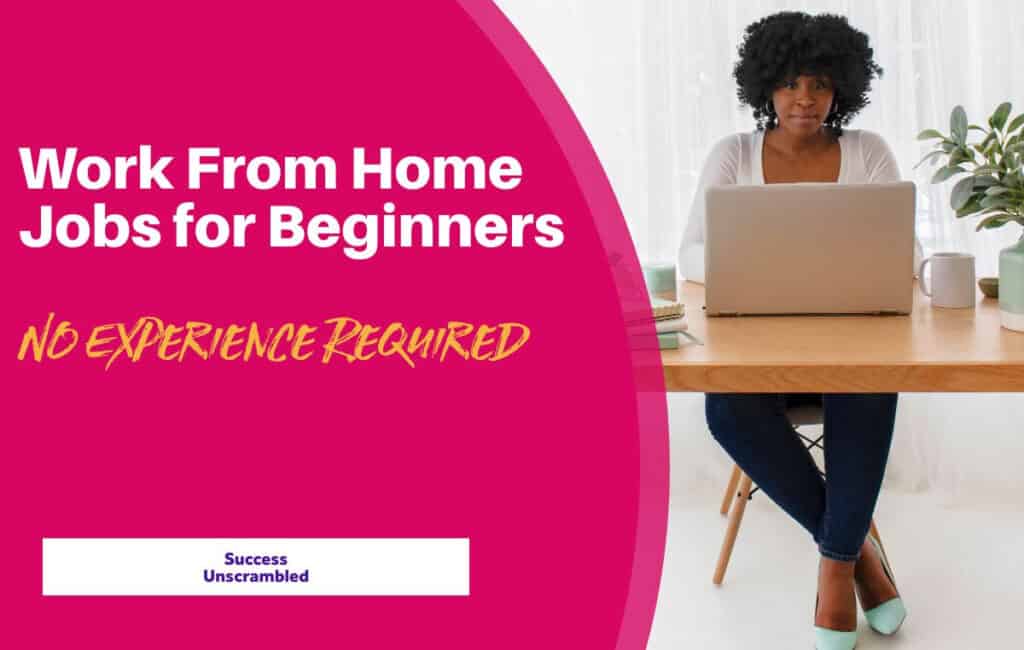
column 720, row 168
column 881, row 167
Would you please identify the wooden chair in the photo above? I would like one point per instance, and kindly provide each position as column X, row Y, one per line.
column 734, row 503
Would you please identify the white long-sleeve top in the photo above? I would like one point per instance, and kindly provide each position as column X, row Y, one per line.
column 736, row 160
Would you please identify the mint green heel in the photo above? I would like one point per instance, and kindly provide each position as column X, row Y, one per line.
column 826, row 639
column 889, row 616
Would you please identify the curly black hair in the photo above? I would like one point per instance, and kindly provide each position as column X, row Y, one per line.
column 790, row 43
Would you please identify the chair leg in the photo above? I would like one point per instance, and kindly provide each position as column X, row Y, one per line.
column 730, row 490
column 735, row 517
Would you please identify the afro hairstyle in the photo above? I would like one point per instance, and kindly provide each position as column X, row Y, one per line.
column 784, row 45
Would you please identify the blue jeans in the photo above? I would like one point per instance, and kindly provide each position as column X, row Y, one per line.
column 754, row 430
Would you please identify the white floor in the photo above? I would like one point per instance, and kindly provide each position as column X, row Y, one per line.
column 960, row 572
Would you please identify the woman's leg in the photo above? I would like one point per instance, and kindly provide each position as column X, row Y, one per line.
column 858, row 433
column 754, row 430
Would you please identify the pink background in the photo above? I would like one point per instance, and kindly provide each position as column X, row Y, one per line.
column 553, row 462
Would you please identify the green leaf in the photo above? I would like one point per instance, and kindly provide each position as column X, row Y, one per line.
column 972, row 206
column 930, row 158
column 993, row 221
column 958, row 125
column 995, row 190
column 947, row 146
column 930, row 134
column 961, row 192
column 998, row 119
column 985, row 182
column 1016, row 123
column 985, row 170
column 945, row 173
column 975, row 127
column 990, row 202
column 958, row 156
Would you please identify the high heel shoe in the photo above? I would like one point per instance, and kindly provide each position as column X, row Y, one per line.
column 889, row 616
column 827, row 639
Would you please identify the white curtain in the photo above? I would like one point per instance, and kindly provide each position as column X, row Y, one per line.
column 651, row 83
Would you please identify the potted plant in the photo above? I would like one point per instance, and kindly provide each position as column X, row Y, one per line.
column 990, row 186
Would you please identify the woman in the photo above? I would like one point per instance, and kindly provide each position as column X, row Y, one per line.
column 806, row 77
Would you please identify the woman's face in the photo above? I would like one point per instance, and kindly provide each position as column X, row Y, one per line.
column 802, row 103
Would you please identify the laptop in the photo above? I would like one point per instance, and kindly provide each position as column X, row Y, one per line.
column 809, row 248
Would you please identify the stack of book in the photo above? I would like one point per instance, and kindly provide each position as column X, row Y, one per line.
column 669, row 322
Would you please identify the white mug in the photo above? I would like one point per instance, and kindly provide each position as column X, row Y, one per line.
column 952, row 282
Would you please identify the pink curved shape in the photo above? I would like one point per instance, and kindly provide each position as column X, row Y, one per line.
column 653, row 488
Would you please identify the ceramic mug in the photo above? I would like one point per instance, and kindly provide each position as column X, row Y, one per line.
column 952, row 283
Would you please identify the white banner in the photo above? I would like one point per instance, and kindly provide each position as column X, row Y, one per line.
column 255, row 567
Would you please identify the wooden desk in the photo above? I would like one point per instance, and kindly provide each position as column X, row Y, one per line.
column 931, row 350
